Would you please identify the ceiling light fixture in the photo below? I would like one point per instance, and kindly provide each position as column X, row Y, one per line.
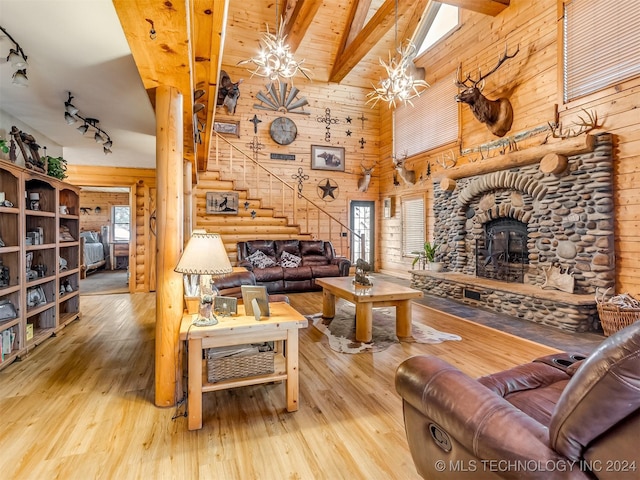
column 275, row 59
column 399, row 86
column 18, row 60
column 71, row 116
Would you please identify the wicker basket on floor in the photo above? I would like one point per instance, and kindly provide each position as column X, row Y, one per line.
column 238, row 366
column 614, row 317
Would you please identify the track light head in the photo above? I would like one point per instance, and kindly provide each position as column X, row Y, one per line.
column 20, row 78
column 70, row 119
column 83, row 128
column 16, row 59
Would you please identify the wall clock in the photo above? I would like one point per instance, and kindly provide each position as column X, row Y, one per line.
column 283, row 131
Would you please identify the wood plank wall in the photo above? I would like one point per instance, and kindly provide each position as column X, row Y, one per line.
column 92, row 220
column 343, row 102
column 532, row 79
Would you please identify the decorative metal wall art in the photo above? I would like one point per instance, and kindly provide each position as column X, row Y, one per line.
column 328, row 120
column 282, row 99
column 328, row 189
column 300, row 177
column 255, row 120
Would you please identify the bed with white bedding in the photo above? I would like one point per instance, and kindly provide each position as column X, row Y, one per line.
column 93, row 252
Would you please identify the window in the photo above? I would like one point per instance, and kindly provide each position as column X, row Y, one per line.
column 121, row 223
column 440, row 19
column 412, row 225
column 430, row 123
column 601, row 45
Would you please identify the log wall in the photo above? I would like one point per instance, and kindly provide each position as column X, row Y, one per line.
column 92, row 219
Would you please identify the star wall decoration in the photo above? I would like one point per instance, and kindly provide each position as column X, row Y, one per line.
column 348, row 132
column 328, row 189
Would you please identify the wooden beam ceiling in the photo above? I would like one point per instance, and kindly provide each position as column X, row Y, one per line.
column 381, row 22
column 487, row 7
column 300, row 15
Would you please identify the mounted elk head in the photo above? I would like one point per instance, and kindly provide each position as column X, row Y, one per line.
column 409, row 176
column 228, row 92
column 363, row 182
column 496, row 114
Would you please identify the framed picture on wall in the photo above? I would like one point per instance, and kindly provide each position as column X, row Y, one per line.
column 225, row 203
column 227, row 127
column 327, row 158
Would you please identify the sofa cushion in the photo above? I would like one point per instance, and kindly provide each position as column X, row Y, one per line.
column 312, row 247
column 290, row 246
column 315, row 260
column 300, row 273
column 259, row 260
column 265, row 246
column 269, row 274
column 320, row 271
column 289, row 260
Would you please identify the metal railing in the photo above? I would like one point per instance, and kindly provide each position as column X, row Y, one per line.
column 261, row 183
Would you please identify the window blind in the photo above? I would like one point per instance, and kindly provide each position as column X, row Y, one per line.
column 430, row 123
column 412, row 225
column 601, row 45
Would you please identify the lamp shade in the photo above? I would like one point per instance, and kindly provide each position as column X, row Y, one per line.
column 204, row 255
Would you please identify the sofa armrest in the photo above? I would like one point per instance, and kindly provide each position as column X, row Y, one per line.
column 246, row 264
column 343, row 265
column 479, row 420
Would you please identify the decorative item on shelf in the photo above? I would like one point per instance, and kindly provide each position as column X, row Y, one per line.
column 362, row 277
column 71, row 116
column 5, row 279
column 29, row 148
column 62, row 264
column 400, row 84
column 34, row 201
column 63, row 209
column 64, row 234
column 18, row 60
column 274, row 59
column 36, row 296
column 203, row 257
column 56, row 167
column 7, row 311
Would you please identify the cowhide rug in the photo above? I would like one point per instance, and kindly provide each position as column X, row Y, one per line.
column 341, row 330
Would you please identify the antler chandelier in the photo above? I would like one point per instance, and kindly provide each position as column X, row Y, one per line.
column 399, row 86
column 274, row 59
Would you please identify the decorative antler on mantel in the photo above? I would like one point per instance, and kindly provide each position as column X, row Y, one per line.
column 585, row 125
column 519, row 158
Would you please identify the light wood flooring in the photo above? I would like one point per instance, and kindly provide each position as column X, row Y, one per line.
column 81, row 405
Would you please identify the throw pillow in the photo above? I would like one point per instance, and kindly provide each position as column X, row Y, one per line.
column 259, row 260
column 289, row 260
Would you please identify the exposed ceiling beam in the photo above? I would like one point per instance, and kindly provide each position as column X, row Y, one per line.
column 376, row 28
column 357, row 16
column 299, row 16
column 166, row 59
column 487, row 7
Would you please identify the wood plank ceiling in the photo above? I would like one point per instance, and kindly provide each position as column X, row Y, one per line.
column 191, row 37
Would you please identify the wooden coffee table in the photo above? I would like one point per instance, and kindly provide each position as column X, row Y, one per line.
column 380, row 294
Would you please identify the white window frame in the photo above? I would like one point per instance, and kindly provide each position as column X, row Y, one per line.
column 600, row 45
column 413, row 225
column 114, row 223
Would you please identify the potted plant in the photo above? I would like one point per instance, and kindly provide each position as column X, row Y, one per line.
column 4, row 147
column 427, row 257
column 56, row 167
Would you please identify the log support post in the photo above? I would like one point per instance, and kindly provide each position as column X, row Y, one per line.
column 170, row 201
column 189, row 207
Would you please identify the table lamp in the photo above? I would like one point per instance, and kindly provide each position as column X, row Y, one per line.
column 203, row 257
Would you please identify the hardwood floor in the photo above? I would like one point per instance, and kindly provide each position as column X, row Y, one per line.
column 81, row 405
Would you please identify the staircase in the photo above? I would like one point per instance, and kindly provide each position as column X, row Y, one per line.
column 268, row 207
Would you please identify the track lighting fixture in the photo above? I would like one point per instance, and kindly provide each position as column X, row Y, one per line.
column 18, row 60
column 71, row 116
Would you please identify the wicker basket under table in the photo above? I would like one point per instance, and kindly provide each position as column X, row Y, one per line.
column 614, row 317
column 239, row 366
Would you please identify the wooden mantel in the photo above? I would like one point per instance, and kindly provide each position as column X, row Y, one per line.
column 529, row 156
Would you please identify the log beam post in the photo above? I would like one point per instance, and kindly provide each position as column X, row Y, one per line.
column 170, row 201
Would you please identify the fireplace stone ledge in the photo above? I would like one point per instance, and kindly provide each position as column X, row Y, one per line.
column 566, row 311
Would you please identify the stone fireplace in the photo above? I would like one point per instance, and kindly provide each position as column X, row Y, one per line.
column 510, row 238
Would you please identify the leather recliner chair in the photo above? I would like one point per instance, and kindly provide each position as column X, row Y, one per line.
column 557, row 417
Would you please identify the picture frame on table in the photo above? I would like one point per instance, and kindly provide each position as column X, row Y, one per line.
column 255, row 300
column 227, row 127
column 225, row 306
column 327, row 158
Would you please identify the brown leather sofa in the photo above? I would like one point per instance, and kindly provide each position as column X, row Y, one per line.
column 557, row 417
column 292, row 265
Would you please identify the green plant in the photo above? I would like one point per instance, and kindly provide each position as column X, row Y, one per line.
column 4, row 147
column 427, row 254
column 56, row 167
